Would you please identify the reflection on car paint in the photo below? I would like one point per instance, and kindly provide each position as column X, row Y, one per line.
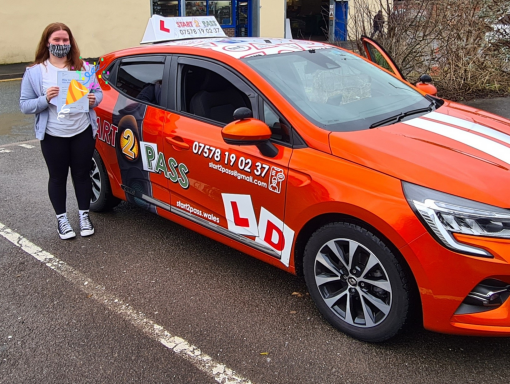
column 129, row 115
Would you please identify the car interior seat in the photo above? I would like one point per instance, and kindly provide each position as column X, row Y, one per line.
column 217, row 99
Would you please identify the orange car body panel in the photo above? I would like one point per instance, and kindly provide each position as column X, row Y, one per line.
column 248, row 129
column 356, row 174
column 427, row 88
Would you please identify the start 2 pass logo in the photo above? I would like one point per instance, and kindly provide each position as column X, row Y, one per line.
column 269, row 230
column 154, row 161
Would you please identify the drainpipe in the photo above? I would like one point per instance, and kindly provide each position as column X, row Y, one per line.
column 331, row 21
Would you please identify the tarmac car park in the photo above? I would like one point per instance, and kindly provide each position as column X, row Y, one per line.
column 389, row 201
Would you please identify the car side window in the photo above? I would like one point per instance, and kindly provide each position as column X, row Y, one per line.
column 279, row 128
column 379, row 59
column 207, row 94
column 141, row 79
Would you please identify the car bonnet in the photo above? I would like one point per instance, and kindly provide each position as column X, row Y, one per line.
column 451, row 150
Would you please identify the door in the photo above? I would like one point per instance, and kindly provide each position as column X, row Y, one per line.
column 379, row 56
column 138, row 118
column 233, row 190
column 341, row 13
column 243, row 19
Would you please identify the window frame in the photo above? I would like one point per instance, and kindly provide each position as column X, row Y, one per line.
column 295, row 140
column 256, row 97
column 210, row 65
column 166, row 60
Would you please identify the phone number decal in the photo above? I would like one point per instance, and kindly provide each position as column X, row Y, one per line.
column 199, row 31
column 230, row 159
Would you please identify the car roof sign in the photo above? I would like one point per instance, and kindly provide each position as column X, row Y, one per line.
column 160, row 29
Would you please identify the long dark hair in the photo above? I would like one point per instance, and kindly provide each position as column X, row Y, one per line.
column 42, row 53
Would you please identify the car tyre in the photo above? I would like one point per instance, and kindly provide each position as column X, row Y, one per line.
column 356, row 282
column 102, row 198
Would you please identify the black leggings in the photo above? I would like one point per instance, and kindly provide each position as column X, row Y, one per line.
column 61, row 153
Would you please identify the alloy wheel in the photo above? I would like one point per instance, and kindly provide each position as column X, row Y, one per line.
column 353, row 283
column 95, row 176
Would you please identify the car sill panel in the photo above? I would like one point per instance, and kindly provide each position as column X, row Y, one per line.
column 216, row 228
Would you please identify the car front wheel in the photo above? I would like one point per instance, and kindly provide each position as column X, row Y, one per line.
column 356, row 282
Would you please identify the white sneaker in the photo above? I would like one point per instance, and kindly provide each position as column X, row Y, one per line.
column 64, row 229
column 86, row 227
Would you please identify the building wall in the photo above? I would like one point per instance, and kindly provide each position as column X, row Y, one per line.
column 103, row 26
column 98, row 26
column 272, row 18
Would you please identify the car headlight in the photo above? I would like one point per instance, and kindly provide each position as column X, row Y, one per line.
column 445, row 214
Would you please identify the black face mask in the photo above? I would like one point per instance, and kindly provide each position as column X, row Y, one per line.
column 59, row 50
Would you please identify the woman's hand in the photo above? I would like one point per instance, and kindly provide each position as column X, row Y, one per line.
column 51, row 92
column 92, row 99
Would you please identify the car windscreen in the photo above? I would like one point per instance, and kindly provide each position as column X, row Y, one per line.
column 337, row 90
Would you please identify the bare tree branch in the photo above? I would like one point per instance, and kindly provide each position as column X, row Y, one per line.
column 463, row 44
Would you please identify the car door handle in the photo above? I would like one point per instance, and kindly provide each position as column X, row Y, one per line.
column 177, row 143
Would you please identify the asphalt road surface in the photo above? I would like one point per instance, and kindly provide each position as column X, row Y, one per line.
column 108, row 309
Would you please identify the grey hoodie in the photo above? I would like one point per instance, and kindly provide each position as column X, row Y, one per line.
column 33, row 101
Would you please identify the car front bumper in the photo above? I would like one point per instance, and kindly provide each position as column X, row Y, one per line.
column 446, row 278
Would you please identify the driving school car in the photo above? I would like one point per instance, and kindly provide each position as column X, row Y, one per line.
column 387, row 200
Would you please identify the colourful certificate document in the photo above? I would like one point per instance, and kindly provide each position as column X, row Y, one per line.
column 72, row 95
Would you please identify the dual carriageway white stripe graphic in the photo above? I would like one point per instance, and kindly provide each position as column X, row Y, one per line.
column 483, row 144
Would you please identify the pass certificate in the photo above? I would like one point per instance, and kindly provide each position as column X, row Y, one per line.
column 72, row 95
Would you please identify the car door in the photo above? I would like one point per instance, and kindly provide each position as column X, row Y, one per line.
column 234, row 190
column 379, row 56
column 138, row 118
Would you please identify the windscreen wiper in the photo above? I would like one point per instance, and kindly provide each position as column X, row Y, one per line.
column 401, row 115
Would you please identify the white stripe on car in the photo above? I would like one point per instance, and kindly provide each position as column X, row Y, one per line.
column 469, row 125
column 473, row 140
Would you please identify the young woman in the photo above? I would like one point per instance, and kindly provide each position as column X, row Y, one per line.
column 67, row 140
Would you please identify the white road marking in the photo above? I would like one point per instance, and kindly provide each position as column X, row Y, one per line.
column 3, row 150
column 26, row 146
column 179, row 346
column 20, row 143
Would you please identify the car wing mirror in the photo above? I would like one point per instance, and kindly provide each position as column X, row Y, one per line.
column 242, row 113
column 425, row 84
column 249, row 131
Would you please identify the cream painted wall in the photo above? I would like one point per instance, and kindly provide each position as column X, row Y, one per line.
column 109, row 25
column 272, row 18
column 98, row 26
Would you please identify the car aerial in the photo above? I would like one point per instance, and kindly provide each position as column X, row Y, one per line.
column 389, row 201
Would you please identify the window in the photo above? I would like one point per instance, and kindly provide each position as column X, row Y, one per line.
column 165, row 8
column 209, row 95
column 377, row 58
column 196, row 8
column 279, row 128
column 222, row 10
column 107, row 74
column 141, row 78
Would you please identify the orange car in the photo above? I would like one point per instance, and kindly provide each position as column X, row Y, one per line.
column 319, row 162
